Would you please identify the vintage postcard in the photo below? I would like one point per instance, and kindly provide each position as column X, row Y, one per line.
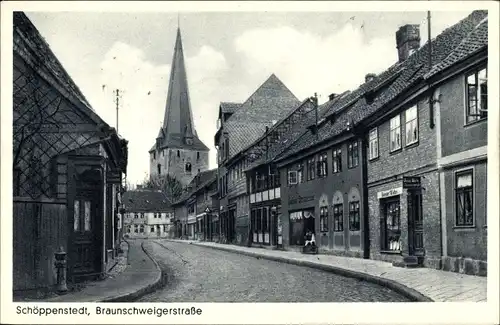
column 200, row 162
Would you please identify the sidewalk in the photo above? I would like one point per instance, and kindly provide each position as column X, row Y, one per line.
column 141, row 276
column 420, row 284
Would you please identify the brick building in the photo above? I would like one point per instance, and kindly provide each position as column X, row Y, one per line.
column 147, row 214
column 178, row 151
column 403, row 179
column 461, row 93
column 67, row 169
column 240, row 125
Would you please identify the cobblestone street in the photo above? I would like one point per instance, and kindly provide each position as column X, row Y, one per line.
column 207, row 275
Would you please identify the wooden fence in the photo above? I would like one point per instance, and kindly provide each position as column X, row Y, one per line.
column 40, row 228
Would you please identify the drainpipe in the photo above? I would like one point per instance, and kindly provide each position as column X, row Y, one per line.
column 364, row 195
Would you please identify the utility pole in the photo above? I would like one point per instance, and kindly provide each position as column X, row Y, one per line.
column 117, row 102
column 429, row 37
column 315, row 102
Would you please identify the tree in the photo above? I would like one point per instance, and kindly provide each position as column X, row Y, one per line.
column 168, row 184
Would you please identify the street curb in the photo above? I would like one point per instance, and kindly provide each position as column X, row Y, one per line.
column 408, row 292
column 132, row 296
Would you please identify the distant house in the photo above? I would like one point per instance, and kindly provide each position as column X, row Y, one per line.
column 239, row 126
column 67, row 170
column 197, row 210
column 147, row 214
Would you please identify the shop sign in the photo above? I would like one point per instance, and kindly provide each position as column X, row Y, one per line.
column 392, row 192
column 411, row 182
column 301, row 199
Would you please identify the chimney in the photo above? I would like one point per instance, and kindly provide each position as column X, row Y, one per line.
column 407, row 40
column 369, row 77
column 332, row 96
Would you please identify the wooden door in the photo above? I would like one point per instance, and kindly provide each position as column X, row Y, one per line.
column 86, row 250
column 415, row 224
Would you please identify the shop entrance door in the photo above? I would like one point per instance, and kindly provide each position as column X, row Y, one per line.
column 415, row 224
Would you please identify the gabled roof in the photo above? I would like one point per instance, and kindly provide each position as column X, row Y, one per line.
column 178, row 121
column 402, row 77
column 145, row 201
column 228, row 107
column 268, row 104
column 40, row 54
column 475, row 41
column 199, row 182
column 288, row 138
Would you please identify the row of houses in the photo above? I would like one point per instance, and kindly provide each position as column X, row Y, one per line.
column 394, row 170
column 68, row 166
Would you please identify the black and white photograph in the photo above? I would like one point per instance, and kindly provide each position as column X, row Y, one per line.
column 181, row 156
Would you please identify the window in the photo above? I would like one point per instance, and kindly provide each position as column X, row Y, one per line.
column 391, row 227
column 354, row 216
column 129, row 230
column 395, row 137
column 292, row 177
column 322, row 165
column 152, row 228
column 136, row 229
column 310, row 169
column 373, row 144
column 154, row 154
column 141, row 229
column 136, row 216
column 300, row 173
column 178, row 153
column 323, row 219
column 411, row 125
column 159, row 169
column 76, row 215
column 188, row 168
column 337, row 160
column 197, row 155
column 352, row 155
column 464, row 199
column 338, row 218
column 477, row 96
column 142, row 215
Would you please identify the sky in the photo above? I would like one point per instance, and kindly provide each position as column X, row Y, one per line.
column 228, row 55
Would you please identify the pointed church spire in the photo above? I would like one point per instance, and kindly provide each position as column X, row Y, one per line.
column 178, row 115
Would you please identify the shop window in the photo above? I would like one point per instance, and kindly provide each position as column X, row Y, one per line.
column 310, row 169
column 411, row 125
column 352, row 154
column 337, row 160
column 354, row 224
column 373, row 144
column 477, row 95
column 323, row 219
column 391, row 226
column 395, row 135
column 322, row 165
column 464, row 199
column 338, row 218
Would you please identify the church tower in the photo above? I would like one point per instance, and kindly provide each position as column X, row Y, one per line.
column 178, row 151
